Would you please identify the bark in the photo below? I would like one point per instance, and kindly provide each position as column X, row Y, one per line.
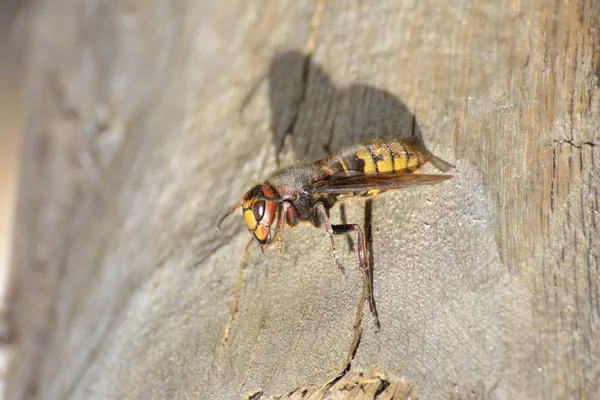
column 147, row 120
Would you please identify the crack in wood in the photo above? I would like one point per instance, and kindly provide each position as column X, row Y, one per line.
column 552, row 187
column 235, row 301
column 315, row 22
column 256, row 395
column 356, row 338
column 577, row 145
column 357, row 385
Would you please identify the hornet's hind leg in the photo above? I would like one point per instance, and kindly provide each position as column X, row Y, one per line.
column 366, row 269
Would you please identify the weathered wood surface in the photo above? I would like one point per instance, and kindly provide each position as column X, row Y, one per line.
column 146, row 120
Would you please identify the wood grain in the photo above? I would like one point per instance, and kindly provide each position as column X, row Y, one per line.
column 147, row 120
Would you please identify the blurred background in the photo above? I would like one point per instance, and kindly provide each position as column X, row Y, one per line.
column 11, row 127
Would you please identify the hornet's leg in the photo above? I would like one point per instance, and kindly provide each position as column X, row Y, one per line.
column 366, row 269
column 324, row 219
column 362, row 254
column 285, row 206
column 345, row 221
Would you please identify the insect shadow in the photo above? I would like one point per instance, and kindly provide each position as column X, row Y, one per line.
column 312, row 117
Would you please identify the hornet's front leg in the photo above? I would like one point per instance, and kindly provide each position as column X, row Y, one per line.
column 287, row 214
column 362, row 253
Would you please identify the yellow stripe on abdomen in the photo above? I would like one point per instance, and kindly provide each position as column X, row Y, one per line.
column 365, row 156
column 383, row 156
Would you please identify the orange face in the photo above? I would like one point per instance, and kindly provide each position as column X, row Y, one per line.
column 259, row 212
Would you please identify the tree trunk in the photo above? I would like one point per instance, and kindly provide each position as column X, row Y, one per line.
column 148, row 120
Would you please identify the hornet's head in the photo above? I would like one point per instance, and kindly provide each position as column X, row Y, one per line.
column 260, row 209
column 260, row 206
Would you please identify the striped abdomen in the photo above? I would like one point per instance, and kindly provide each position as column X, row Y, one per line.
column 376, row 157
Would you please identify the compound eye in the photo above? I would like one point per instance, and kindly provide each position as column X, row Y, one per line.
column 259, row 210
